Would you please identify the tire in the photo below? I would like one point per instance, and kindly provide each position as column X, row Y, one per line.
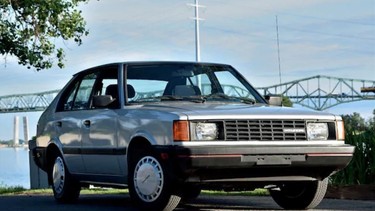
column 300, row 195
column 65, row 188
column 150, row 185
column 190, row 192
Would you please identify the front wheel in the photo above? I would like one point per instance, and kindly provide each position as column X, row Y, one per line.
column 150, row 185
column 190, row 192
column 65, row 188
column 300, row 195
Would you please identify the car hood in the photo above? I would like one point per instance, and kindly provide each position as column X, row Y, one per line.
column 236, row 111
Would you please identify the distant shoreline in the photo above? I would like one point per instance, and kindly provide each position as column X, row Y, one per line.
column 7, row 146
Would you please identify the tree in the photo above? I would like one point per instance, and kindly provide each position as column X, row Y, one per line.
column 30, row 28
column 371, row 122
column 354, row 122
column 287, row 102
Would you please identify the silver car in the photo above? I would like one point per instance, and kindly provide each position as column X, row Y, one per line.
column 167, row 130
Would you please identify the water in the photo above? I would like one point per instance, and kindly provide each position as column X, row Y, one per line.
column 14, row 167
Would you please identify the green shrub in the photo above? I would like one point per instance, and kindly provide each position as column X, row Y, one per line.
column 361, row 170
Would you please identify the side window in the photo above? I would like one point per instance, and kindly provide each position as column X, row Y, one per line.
column 78, row 96
column 107, row 86
column 68, row 104
column 82, row 98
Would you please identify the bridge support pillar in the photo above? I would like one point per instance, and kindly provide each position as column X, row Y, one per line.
column 26, row 130
column 16, row 132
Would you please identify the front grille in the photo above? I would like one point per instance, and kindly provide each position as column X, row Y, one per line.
column 264, row 130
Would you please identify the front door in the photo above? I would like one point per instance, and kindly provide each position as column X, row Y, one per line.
column 88, row 134
column 99, row 142
column 99, row 128
column 68, row 120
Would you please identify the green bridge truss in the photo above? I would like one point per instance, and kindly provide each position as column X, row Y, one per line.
column 323, row 92
column 317, row 92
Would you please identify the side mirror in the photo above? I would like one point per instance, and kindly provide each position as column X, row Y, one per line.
column 102, row 101
column 32, row 144
column 274, row 100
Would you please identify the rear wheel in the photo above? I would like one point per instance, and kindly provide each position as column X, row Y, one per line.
column 150, row 185
column 300, row 195
column 65, row 188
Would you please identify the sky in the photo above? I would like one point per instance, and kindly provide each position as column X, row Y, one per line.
column 316, row 37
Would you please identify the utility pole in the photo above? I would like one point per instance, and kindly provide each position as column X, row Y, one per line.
column 278, row 48
column 197, row 39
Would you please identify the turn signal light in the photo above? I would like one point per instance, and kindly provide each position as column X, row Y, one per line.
column 340, row 130
column 181, row 131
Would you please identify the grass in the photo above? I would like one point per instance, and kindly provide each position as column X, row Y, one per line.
column 256, row 192
column 22, row 191
column 9, row 190
column 48, row 191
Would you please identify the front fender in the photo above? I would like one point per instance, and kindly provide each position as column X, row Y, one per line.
column 145, row 135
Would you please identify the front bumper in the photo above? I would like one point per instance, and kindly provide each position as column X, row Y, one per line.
column 209, row 163
column 39, row 154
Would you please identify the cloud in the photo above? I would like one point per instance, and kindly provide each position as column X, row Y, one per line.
column 316, row 37
column 239, row 32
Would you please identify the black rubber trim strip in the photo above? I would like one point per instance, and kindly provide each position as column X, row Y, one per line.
column 94, row 151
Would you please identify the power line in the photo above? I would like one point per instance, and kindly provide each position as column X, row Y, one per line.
column 329, row 34
column 304, row 16
column 330, row 20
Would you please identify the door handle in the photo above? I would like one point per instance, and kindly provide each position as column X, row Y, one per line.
column 58, row 124
column 87, row 123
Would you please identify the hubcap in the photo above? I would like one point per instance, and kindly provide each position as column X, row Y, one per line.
column 148, row 179
column 58, row 175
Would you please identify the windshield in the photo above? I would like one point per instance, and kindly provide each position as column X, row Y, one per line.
column 188, row 82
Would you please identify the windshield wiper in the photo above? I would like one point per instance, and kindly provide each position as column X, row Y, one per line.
column 217, row 96
column 169, row 97
column 158, row 98
column 196, row 99
column 246, row 100
column 193, row 98
column 227, row 97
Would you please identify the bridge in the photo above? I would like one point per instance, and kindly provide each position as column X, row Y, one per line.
column 323, row 92
column 26, row 102
column 317, row 92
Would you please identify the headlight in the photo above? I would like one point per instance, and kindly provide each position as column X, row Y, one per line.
column 205, row 131
column 317, row 131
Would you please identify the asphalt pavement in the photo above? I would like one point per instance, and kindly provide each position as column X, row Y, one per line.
column 204, row 202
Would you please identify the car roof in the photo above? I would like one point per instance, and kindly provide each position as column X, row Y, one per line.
column 136, row 63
